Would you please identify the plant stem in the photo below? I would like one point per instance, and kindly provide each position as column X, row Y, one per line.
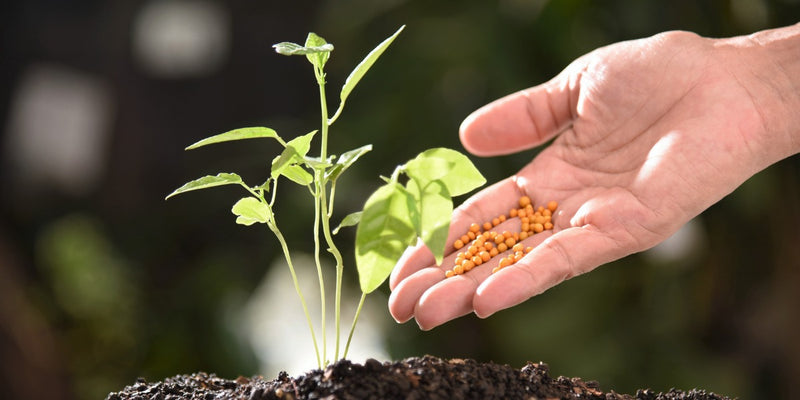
column 353, row 327
column 319, row 183
column 317, row 212
column 326, row 230
column 288, row 257
column 273, row 226
column 324, row 210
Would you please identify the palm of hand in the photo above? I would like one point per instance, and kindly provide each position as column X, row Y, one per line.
column 654, row 130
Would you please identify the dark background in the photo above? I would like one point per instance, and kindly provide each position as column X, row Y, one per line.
column 101, row 281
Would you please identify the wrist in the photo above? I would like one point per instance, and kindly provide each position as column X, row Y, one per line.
column 775, row 88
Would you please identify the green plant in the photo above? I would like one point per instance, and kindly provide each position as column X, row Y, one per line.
column 393, row 216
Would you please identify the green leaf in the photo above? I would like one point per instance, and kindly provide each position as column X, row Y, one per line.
column 238, row 134
column 318, row 58
column 264, row 186
column 432, row 210
column 294, row 153
column 426, row 169
column 294, row 49
column 297, row 174
column 383, row 234
column 207, row 182
column 350, row 220
column 346, row 160
column 250, row 210
column 301, row 144
column 454, row 169
column 364, row 66
column 315, row 163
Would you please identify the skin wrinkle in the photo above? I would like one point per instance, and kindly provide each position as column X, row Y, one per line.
column 553, row 244
column 558, row 127
column 642, row 245
column 762, row 119
column 529, row 108
column 794, row 140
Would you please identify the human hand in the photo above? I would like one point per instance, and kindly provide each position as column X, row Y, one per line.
column 648, row 134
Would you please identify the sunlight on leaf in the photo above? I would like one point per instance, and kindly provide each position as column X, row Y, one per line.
column 317, row 59
column 297, row 174
column 294, row 49
column 454, row 169
column 207, row 182
column 346, row 160
column 238, row 134
column 363, row 67
column 294, row 153
column 350, row 220
column 434, row 210
column 250, row 210
column 382, row 235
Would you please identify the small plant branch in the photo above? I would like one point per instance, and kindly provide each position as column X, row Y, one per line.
column 285, row 248
column 274, row 192
column 326, row 230
column 330, row 199
column 323, row 210
column 355, row 321
column 320, row 278
column 336, row 115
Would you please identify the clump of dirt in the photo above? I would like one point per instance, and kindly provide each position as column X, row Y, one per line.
column 412, row 378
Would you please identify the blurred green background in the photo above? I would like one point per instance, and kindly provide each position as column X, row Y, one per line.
column 101, row 281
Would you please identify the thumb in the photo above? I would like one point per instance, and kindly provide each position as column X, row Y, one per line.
column 520, row 120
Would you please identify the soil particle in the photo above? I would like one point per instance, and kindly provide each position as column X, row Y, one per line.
column 412, row 378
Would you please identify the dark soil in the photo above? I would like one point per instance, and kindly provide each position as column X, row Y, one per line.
column 413, row 378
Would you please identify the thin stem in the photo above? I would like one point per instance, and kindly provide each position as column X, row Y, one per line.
column 324, row 210
column 323, row 104
column 273, row 226
column 319, row 208
column 353, row 327
column 317, row 212
column 330, row 199
column 326, row 231
column 274, row 192
column 336, row 114
column 288, row 257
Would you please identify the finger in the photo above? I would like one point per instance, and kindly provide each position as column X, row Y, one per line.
column 453, row 297
column 568, row 253
column 404, row 297
column 484, row 206
column 520, row 120
column 406, row 294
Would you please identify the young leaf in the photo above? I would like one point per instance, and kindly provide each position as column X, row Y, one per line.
column 426, row 169
column 294, row 49
column 207, row 182
column 297, row 174
column 364, row 66
column 435, row 208
column 454, row 169
column 346, row 160
column 350, row 220
column 315, row 163
column 382, row 235
column 317, row 59
column 294, row 152
column 250, row 210
column 238, row 134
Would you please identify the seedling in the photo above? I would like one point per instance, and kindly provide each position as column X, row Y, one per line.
column 394, row 216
